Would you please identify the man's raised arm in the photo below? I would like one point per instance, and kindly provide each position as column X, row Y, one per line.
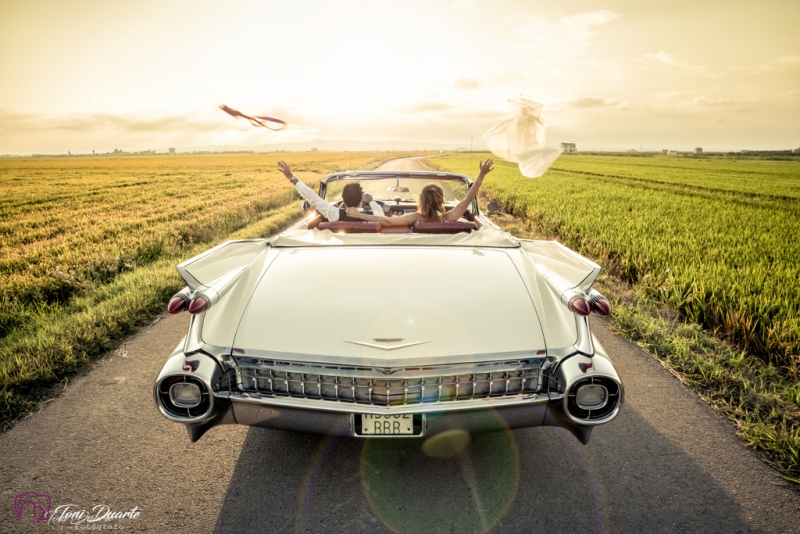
column 328, row 210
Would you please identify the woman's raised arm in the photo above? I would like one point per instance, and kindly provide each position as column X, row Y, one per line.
column 456, row 213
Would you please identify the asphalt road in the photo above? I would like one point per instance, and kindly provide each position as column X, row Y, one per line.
column 668, row 463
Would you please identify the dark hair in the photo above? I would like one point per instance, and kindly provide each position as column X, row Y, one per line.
column 431, row 202
column 352, row 194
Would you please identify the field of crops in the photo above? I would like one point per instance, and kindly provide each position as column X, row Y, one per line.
column 716, row 240
column 88, row 247
column 68, row 222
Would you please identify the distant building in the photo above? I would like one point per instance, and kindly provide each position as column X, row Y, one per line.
column 672, row 153
column 569, row 148
column 665, row 151
column 796, row 151
column 698, row 150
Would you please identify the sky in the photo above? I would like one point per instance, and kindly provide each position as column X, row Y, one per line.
column 85, row 75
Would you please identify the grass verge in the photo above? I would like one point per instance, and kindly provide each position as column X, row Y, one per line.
column 762, row 403
column 40, row 356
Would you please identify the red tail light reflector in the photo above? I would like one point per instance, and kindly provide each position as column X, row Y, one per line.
column 198, row 305
column 578, row 305
column 601, row 306
column 177, row 305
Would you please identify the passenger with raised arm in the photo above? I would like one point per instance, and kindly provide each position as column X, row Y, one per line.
column 352, row 196
column 431, row 204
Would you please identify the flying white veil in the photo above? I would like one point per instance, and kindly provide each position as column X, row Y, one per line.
column 521, row 138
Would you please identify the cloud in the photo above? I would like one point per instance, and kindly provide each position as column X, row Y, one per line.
column 22, row 132
column 426, row 106
column 120, row 123
column 774, row 66
column 566, row 36
column 464, row 5
column 707, row 101
column 704, row 101
column 666, row 95
column 585, row 20
column 596, row 102
column 466, row 83
column 670, row 60
column 788, row 61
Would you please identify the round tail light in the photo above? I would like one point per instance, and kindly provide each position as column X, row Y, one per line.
column 577, row 305
column 198, row 305
column 601, row 306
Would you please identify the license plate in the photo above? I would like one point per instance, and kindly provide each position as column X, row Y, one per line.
column 387, row 425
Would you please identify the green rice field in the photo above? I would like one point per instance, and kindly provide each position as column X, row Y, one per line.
column 69, row 222
column 716, row 240
column 88, row 247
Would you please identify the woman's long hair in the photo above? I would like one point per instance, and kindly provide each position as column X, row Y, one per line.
column 431, row 203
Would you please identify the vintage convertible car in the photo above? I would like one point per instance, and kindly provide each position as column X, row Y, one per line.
column 365, row 331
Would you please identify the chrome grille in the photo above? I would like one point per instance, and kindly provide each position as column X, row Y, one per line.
column 386, row 391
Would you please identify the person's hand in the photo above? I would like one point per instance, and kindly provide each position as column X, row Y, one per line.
column 366, row 199
column 353, row 212
column 486, row 167
column 285, row 169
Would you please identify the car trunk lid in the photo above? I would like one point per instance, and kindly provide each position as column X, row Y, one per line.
column 390, row 306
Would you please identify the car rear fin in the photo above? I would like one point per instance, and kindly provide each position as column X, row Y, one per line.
column 563, row 268
column 222, row 265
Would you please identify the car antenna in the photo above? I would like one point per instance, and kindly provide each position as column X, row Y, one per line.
column 470, row 155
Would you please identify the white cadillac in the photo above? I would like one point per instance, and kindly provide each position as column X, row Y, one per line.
column 364, row 330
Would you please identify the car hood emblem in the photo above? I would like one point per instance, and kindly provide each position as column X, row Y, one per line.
column 386, row 347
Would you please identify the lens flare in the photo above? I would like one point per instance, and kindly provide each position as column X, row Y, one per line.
column 447, row 444
column 406, row 481
column 313, row 472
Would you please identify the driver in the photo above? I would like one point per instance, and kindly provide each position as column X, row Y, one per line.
column 352, row 196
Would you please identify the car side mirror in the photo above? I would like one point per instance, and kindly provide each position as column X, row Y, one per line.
column 492, row 206
column 305, row 205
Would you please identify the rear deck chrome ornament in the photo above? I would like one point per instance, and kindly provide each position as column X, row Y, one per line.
column 386, row 347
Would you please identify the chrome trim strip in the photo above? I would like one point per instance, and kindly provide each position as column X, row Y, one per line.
column 349, row 407
column 584, row 342
column 390, row 366
column 194, row 339
column 388, row 373
column 382, row 175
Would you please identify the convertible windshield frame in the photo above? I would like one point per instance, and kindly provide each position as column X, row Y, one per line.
column 363, row 176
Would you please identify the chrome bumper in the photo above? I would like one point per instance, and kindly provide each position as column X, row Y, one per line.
column 487, row 416
column 502, row 414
